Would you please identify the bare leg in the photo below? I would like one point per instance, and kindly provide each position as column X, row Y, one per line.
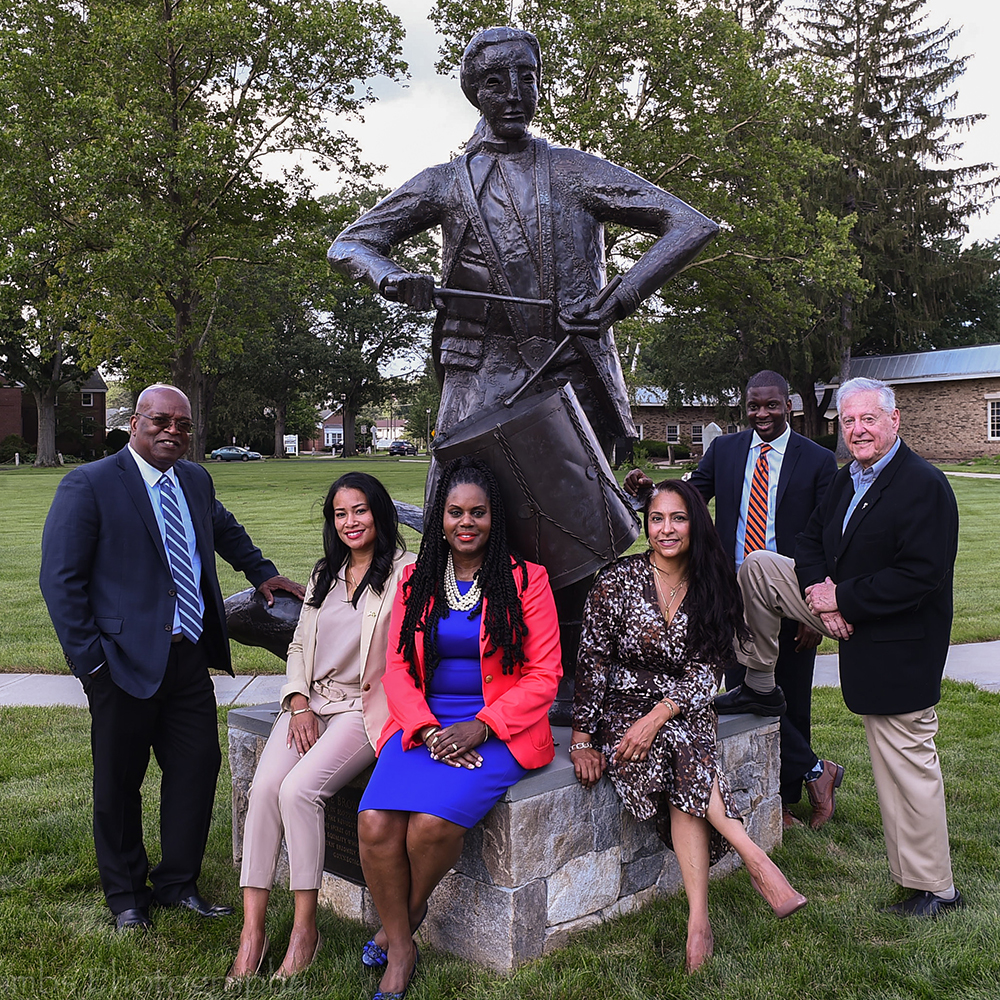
column 382, row 843
column 764, row 873
column 404, row 856
column 304, row 939
column 253, row 935
column 690, row 837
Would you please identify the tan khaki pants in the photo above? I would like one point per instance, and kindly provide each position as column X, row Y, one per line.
column 771, row 592
column 911, row 798
column 289, row 792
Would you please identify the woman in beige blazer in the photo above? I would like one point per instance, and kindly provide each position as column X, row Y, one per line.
column 333, row 709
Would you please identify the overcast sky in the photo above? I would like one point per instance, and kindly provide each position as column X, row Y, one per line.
column 395, row 131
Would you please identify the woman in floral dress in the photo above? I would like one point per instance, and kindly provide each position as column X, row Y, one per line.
column 658, row 630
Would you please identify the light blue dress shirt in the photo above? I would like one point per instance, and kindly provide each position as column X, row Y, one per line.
column 863, row 478
column 151, row 477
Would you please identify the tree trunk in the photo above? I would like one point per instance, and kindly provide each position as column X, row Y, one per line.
column 843, row 454
column 187, row 376
column 350, row 445
column 45, row 403
column 810, row 411
column 280, row 411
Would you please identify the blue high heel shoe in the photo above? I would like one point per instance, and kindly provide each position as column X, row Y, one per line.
column 399, row 995
column 374, row 955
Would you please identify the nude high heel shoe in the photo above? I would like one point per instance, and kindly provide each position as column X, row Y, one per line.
column 786, row 906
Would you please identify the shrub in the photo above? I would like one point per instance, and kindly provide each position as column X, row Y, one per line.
column 116, row 440
column 13, row 444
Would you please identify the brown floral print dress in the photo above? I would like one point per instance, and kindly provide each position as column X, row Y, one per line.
column 629, row 659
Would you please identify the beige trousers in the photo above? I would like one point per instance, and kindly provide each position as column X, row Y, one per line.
column 911, row 798
column 288, row 794
column 771, row 592
column 903, row 754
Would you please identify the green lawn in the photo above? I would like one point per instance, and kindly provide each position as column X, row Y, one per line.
column 56, row 939
column 280, row 504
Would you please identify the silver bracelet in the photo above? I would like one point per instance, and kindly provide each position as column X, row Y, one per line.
column 299, row 711
column 580, row 746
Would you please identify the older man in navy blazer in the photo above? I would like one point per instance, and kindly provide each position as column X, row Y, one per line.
column 128, row 574
column 874, row 568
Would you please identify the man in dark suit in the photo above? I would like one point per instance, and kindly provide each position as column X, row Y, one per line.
column 798, row 474
column 874, row 569
column 128, row 574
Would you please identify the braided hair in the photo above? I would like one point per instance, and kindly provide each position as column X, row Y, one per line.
column 714, row 601
column 388, row 540
column 424, row 596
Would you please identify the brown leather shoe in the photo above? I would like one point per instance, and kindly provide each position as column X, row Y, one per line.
column 789, row 820
column 822, row 791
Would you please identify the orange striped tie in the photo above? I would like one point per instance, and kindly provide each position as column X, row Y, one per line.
column 756, row 536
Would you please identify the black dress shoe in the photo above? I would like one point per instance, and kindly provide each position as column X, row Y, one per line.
column 202, row 907
column 925, row 904
column 136, row 919
column 744, row 699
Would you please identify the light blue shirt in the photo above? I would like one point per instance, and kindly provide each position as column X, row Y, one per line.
column 151, row 477
column 863, row 479
column 774, row 459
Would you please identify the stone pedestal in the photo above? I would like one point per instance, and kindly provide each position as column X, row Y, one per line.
column 550, row 858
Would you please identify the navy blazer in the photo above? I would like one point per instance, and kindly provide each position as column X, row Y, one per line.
column 893, row 566
column 106, row 579
column 806, row 472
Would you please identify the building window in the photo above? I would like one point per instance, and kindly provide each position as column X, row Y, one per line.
column 673, row 433
column 89, row 427
column 696, row 431
column 333, row 436
column 640, row 429
column 994, row 405
column 86, row 399
column 731, row 428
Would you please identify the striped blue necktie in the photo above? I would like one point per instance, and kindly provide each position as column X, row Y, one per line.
column 180, row 562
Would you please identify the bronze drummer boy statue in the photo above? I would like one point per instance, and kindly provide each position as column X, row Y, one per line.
column 523, row 259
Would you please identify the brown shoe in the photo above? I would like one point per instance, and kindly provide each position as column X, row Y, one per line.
column 821, row 793
column 789, row 820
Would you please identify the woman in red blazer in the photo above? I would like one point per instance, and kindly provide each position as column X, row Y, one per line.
column 472, row 670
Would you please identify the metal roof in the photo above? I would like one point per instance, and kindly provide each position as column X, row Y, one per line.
column 937, row 366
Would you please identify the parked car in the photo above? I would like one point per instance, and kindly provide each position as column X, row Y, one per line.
column 231, row 453
column 400, row 447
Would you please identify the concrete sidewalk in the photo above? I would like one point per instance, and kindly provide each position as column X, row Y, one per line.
column 978, row 662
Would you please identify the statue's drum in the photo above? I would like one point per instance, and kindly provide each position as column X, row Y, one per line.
column 565, row 509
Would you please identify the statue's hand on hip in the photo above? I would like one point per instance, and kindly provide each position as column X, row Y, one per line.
column 415, row 290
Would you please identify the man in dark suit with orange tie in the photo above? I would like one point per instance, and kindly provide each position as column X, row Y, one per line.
column 128, row 574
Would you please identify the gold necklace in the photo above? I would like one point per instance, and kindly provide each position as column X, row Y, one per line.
column 349, row 579
column 673, row 590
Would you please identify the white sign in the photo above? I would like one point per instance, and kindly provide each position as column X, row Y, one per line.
column 291, row 444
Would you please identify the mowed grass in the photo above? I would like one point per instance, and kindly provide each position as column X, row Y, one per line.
column 280, row 503
column 56, row 939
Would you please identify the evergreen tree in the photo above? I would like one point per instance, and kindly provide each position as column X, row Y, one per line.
column 894, row 136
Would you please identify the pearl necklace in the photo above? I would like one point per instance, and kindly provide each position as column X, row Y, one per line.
column 456, row 600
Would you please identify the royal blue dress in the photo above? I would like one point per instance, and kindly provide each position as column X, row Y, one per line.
column 411, row 780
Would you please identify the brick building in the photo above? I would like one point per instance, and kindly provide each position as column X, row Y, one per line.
column 80, row 416
column 949, row 401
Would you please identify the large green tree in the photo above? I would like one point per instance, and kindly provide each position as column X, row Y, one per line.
column 688, row 97
column 152, row 157
column 895, row 137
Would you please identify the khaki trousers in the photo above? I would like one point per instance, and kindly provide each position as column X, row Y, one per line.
column 288, row 794
column 903, row 754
